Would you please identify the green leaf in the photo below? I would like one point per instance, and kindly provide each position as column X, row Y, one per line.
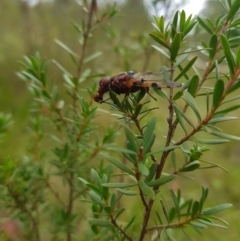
column 127, row 192
column 228, row 54
column 113, row 201
column 193, row 85
column 217, row 93
column 121, row 150
column 161, row 93
column 227, row 110
column 168, row 148
column 129, row 223
column 179, row 117
column 119, row 213
column 118, row 164
column 198, row 225
column 100, row 222
column 178, row 95
column 176, row 203
column 149, row 145
column 174, row 25
column 147, row 136
column 190, row 167
column 175, row 46
column 96, row 178
column 91, row 57
column 205, row 26
column 182, row 21
column 171, row 214
column 161, row 181
column 191, row 102
column 161, row 51
column 221, row 119
column 132, row 140
column 212, row 224
column 143, row 169
column 151, row 174
column 119, row 185
column 216, row 209
column 182, row 57
column 186, row 68
column 212, row 141
column 146, row 190
column 213, row 46
column 167, row 235
column 65, row 47
column 233, row 10
column 195, row 209
column 226, row 136
column 159, row 40
column 238, row 57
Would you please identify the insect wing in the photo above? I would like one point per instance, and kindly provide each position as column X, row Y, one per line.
column 155, row 79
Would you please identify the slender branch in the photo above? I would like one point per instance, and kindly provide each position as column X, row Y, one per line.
column 92, row 9
column 113, row 221
column 22, row 206
column 54, row 193
column 70, row 203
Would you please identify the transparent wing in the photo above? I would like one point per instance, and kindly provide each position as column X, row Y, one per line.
column 154, row 79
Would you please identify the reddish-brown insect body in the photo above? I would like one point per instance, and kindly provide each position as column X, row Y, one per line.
column 128, row 82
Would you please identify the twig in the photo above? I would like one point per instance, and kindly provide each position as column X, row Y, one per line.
column 113, row 221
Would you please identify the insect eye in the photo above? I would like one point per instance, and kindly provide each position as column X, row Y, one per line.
column 130, row 72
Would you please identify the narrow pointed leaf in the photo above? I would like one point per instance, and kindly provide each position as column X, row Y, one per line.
column 161, row 51
column 147, row 191
column 151, row 174
column 193, row 85
column 213, row 46
column 216, row 209
column 159, row 40
column 149, row 131
column 212, row 141
column 179, row 117
column 127, row 192
column 161, row 181
column 91, row 57
column 190, row 167
column 132, row 140
column 195, row 209
column 176, row 203
column 227, row 110
column 212, row 224
column 119, row 213
column 221, row 119
column 238, row 57
column 119, row 185
column 118, row 164
column 226, row 136
column 205, row 26
column 217, row 93
column 186, row 68
column 168, row 148
column 233, row 10
column 64, row 46
column 143, row 169
column 191, row 102
column 228, row 54
column 174, row 25
column 175, row 46
column 99, row 222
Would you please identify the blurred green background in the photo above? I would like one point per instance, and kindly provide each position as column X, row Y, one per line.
column 125, row 45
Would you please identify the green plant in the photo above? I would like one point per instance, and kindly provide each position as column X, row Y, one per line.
column 43, row 190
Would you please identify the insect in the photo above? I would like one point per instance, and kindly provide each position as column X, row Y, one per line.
column 129, row 82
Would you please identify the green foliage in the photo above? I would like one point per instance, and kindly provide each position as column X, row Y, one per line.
column 122, row 187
